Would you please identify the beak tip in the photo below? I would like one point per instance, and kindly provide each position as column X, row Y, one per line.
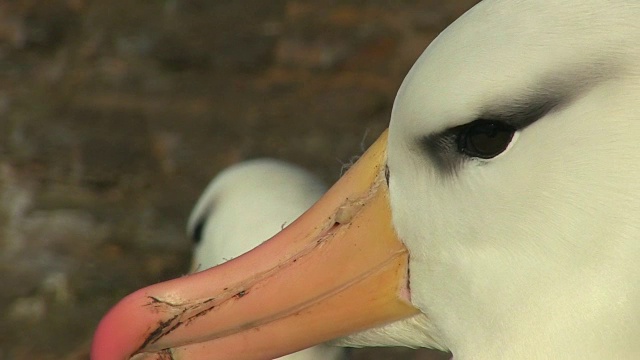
column 107, row 339
column 117, row 334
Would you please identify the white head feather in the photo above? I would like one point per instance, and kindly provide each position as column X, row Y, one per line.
column 533, row 253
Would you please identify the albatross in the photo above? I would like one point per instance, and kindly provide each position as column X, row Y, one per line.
column 246, row 204
column 497, row 218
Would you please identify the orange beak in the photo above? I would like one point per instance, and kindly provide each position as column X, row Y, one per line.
column 336, row 270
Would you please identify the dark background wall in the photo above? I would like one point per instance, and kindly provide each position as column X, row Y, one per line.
column 114, row 114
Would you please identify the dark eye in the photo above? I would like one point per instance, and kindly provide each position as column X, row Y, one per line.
column 196, row 237
column 484, row 139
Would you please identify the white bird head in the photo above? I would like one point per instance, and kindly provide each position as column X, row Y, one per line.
column 514, row 167
column 247, row 204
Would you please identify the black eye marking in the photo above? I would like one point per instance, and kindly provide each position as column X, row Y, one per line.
column 196, row 236
column 484, row 139
column 520, row 108
column 386, row 174
column 492, row 130
column 196, row 233
column 480, row 139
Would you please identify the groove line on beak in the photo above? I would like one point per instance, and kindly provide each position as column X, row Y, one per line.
column 185, row 313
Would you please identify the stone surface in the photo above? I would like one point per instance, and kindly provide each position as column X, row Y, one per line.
column 115, row 114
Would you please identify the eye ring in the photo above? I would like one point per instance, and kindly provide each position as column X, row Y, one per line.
column 484, row 139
